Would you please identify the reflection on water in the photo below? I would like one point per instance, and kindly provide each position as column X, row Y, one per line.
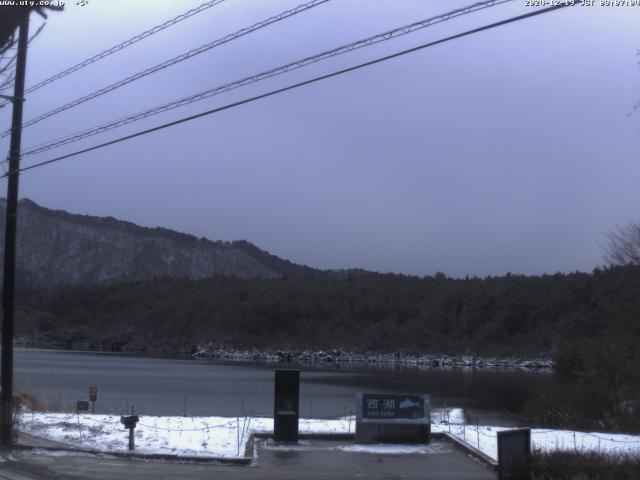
column 165, row 386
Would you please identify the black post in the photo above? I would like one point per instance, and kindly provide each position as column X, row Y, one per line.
column 93, row 396
column 130, row 424
column 286, row 408
column 514, row 454
column 8, row 290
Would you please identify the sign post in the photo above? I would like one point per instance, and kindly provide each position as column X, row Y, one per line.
column 130, row 423
column 387, row 418
column 93, row 396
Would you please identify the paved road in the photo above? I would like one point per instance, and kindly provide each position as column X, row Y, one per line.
column 316, row 460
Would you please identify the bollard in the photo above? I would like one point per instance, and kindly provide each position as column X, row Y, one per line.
column 130, row 423
column 514, row 454
column 286, row 405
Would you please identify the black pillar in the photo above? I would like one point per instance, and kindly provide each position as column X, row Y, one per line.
column 286, row 406
column 514, row 454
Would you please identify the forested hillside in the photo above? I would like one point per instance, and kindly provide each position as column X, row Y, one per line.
column 382, row 312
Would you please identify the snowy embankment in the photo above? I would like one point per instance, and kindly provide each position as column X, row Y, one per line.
column 227, row 437
column 484, row 437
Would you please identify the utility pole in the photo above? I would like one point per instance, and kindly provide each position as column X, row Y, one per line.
column 8, row 290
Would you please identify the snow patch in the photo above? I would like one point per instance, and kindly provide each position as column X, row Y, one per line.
column 391, row 449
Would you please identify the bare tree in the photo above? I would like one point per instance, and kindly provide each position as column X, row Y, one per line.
column 623, row 245
column 8, row 55
column 11, row 16
column 7, row 60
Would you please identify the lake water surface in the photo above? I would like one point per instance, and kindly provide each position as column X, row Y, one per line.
column 168, row 386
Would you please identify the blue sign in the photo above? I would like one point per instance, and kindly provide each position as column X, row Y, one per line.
column 388, row 407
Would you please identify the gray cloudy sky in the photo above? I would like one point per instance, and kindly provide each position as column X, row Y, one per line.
column 510, row 150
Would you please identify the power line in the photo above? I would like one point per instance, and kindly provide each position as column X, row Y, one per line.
column 5, row 70
column 297, row 85
column 125, row 44
column 8, row 45
column 40, row 28
column 168, row 63
column 263, row 75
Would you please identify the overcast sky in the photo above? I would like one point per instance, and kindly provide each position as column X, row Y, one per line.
column 507, row 151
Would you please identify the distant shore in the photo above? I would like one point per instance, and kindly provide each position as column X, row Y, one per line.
column 218, row 351
column 336, row 355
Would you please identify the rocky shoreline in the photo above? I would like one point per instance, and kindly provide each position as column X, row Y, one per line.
column 221, row 351
column 214, row 351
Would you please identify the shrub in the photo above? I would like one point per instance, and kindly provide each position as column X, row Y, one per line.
column 566, row 465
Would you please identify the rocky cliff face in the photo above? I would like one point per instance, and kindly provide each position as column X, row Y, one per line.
column 57, row 248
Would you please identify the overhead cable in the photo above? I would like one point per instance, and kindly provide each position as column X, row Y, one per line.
column 125, row 44
column 262, row 76
column 168, row 63
column 296, row 85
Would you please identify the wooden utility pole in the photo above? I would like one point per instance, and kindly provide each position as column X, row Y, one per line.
column 8, row 290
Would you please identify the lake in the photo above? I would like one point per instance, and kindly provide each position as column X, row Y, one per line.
column 169, row 386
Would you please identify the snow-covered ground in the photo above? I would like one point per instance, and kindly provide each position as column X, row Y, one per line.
column 187, row 436
column 484, row 437
column 227, row 437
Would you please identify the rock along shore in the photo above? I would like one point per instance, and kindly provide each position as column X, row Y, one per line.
column 224, row 352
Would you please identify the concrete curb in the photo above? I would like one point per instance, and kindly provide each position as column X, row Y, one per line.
column 466, row 448
column 250, row 450
column 143, row 456
column 311, row 436
column 247, row 459
column 449, row 438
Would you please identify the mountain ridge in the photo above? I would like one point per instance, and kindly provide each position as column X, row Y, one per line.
column 56, row 247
